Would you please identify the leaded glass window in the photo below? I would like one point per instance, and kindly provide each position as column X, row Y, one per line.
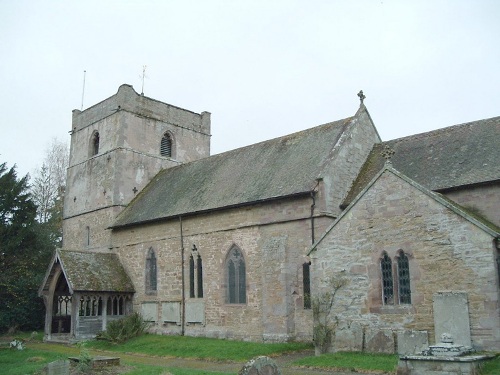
column 199, row 273
column 151, row 284
column 236, row 277
column 387, row 280
column 404, row 279
column 191, row 277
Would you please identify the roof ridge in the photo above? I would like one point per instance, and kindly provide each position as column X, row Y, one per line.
column 440, row 130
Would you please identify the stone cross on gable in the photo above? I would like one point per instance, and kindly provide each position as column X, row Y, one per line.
column 361, row 96
column 387, row 153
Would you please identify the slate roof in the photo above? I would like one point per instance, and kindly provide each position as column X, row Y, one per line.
column 280, row 167
column 443, row 159
column 94, row 272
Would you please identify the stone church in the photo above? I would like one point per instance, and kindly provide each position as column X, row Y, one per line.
column 234, row 245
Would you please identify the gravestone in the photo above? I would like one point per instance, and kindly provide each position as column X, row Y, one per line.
column 260, row 366
column 379, row 341
column 451, row 317
column 348, row 337
column 412, row 342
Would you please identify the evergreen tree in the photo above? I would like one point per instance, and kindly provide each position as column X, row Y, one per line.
column 25, row 250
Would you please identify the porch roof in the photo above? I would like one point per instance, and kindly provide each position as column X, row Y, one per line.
column 87, row 271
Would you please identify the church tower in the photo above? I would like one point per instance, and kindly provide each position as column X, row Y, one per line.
column 117, row 147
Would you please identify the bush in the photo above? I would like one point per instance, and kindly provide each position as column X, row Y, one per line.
column 118, row 331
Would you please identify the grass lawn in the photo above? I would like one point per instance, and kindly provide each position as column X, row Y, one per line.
column 198, row 347
column 350, row 361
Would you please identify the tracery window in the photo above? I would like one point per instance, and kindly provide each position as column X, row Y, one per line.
column 387, row 280
column 90, row 305
column 94, row 146
column 115, row 305
column 403, row 279
column 151, row 278
column 306, row 281
column 235, row 276
column 395, row 282
column 166, row 145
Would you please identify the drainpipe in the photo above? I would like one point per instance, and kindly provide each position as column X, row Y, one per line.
column 183, row 297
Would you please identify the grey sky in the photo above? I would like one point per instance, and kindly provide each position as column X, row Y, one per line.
column 262, row 68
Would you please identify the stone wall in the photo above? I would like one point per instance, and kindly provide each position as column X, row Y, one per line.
column 483, row 200
column 446, row 253
column 273, row 238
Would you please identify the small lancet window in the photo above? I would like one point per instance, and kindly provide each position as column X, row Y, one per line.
column 94, row 144
column 404, row 278
column 200, row 276
column 151, row 284
column 166, row 145
column 387, row 280
column 306, row 282
column 235, row 277
column 195, row 274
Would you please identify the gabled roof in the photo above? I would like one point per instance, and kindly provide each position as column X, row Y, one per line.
column 280, row 167
column 443, row 159
column 479, row 222
column 90, row 272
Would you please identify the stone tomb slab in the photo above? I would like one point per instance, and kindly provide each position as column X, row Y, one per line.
column 412, row 342
column 451, row 316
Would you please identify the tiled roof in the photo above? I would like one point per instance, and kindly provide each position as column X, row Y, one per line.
column 94, row 272
column 276, row 168
column 443, row 159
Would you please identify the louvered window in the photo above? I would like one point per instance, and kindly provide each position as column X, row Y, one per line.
column 404, row 279
column 166, row 145
column 236, row 277
column 387, row 281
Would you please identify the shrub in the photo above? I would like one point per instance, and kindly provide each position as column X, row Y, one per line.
column 118, row 331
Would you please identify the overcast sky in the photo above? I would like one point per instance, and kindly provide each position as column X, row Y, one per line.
column 262, row 68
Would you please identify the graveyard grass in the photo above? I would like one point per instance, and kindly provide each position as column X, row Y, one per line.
column 34, row 358
column 352, row 361
column 198, row 347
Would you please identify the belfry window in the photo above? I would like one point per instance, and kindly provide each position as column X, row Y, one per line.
column 166, row 145
column 387, row 280
column 235, row 277
column 403, row 279
column 94, row 146
column 151, row 284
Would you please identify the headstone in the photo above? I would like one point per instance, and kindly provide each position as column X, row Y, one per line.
column 348, row 337
column 412, row 342
column 451, row 317
column 379, row 341
column 260, row 366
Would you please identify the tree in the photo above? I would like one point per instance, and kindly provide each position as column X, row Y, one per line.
column 48, row 185
column 25, row 250
column 325, row 323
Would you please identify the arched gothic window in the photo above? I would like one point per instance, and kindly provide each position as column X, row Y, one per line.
column 151, row 272
column 166, row 145
column 387, row 280
column 94, row 144
column 235, row 277
column 195, row 274
column 403, row 278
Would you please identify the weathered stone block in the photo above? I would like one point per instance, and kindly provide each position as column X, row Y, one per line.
column 412, row 342
column 379, row 341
